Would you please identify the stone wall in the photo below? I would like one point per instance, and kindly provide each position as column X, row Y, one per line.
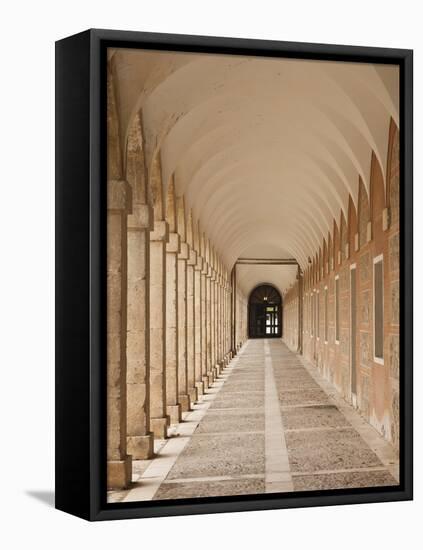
column 368, row 233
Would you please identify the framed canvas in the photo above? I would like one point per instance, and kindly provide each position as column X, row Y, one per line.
column 233, row 274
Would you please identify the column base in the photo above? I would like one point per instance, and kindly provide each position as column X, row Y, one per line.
column 200, row 389
column 174, row 413
column 140, row 447
column 119, row 473
column 159, row 427
column 205, row 382
column 217, row 369
column 193, row 395
column 211, row 378
column 185, row 402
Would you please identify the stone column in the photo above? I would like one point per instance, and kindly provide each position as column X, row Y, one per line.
column 300, row 311
column 198, row 326
column 230, row 300
column 139, row 437
column 173, row 407
column 184, row 398
column 204, row 321
column 217, row 323
column 233, row 312
column 119, row 464
column 212, row 323
column 227, row 321
column 158, row 419
column 210, row 365
column 191, row 381
column 224, row 322
column 220, row 322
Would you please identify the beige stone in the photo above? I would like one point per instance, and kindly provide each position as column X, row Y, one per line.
column 119, row 473
column 158, row 415
column 177, row 309
column 191, row 380
column 139, row 437
column 173, row 407
column 184, row 398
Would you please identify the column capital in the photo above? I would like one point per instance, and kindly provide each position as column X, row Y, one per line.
column 160, row 231
column 192, row 260
column 199, row 264
column 119, row 195
column 205, row 269
column 140, row 218
column 213, row 275
column 173, row 243
column 184, row 251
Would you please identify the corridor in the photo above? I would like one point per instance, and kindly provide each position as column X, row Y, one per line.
column 269, row 423
column 253, row 274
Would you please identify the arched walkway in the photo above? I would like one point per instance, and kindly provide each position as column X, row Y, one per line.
column 253, row 274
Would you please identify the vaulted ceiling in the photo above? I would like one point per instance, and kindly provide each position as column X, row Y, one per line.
column 266, row 151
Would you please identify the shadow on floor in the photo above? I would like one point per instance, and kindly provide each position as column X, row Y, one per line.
column 46, row 497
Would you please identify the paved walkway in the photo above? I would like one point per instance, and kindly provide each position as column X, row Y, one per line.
column 268, row 424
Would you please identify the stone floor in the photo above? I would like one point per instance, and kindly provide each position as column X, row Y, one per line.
column 269, row 424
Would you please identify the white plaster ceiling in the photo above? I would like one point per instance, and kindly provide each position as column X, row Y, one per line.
column 265, row 251
column 280, row 276
column 265, row 151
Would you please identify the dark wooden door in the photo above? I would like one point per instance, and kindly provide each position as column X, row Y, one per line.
column 265, row 313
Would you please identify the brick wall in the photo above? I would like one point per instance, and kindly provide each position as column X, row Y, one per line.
column 367, row 232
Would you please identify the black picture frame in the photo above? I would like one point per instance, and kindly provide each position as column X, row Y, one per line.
column 81, row 282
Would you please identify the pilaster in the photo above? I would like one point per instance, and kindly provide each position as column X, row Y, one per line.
column 184, row 398
column 119, row 463
column 199, row 384
column 191, row 381
column 158, row 417
column 139, row 436
column 173, row 407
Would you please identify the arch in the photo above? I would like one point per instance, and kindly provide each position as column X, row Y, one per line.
column 352, row 226
column 330, row 253
column 181, row 218
column 134, row 163
column 377, row 193
column 393, row 173
column 265, row 312
column 343, row 237
column 190, row 230
column 336, row 245
column 325, row 257
column 363, row 214
column 171, row 212
column 114, row 152
column 156, row 188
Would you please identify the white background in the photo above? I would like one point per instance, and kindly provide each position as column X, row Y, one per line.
column 28, row 32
